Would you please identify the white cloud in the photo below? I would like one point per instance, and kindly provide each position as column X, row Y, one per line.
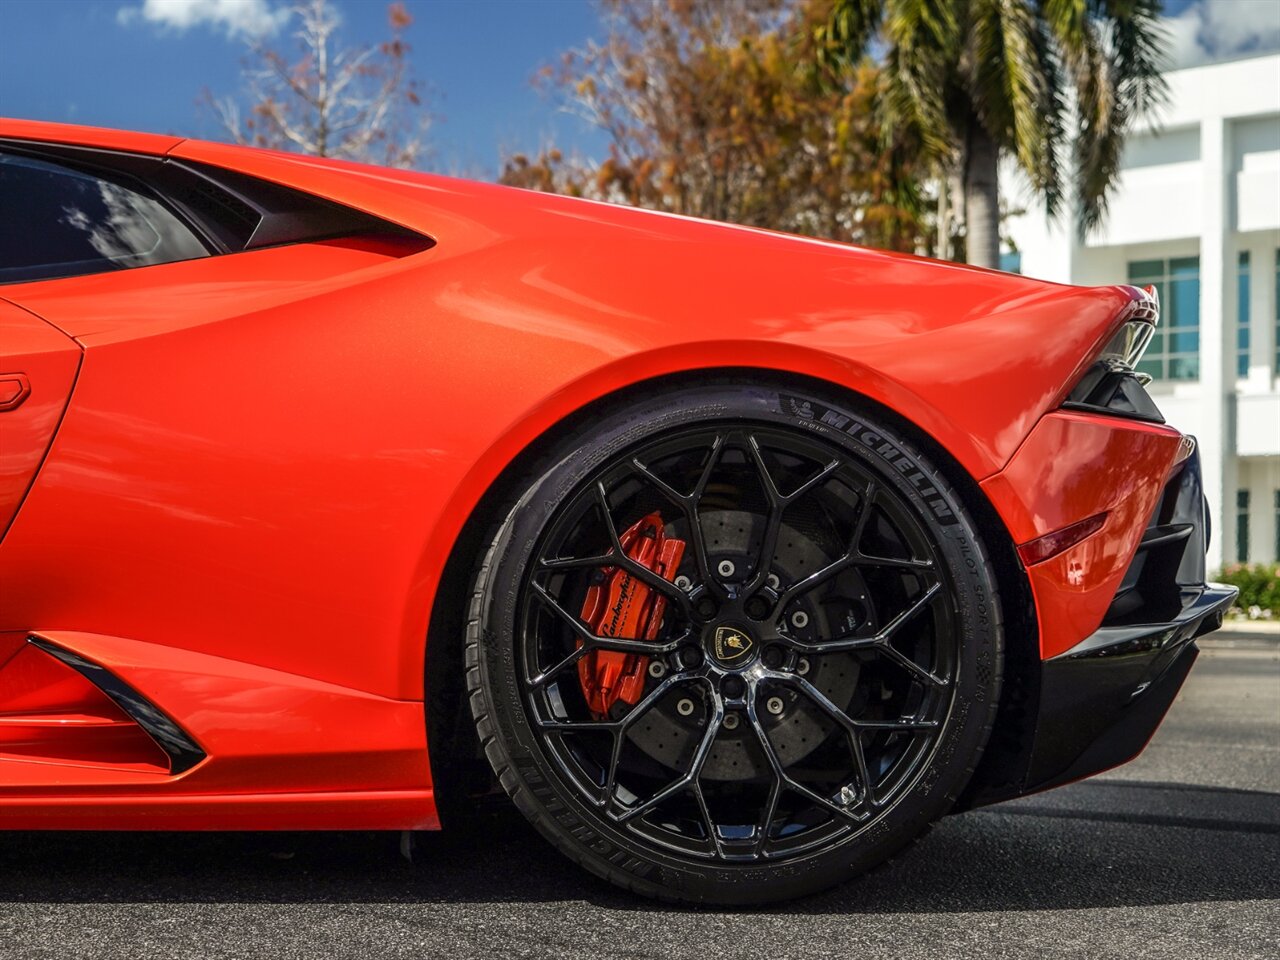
column 236, row 18
column 1211, row 30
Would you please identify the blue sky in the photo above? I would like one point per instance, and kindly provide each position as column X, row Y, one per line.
column 75, row 61
column 83, row 61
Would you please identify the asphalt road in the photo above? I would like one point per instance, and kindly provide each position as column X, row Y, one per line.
column 1175, row 855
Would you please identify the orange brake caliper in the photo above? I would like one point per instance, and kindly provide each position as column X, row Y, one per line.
column 623, row 606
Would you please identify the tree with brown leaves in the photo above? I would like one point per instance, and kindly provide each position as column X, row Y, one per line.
column 716, row 110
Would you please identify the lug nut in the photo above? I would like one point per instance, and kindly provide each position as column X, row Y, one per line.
column 657, row 669
column 802, row 666
column 772, row 657
column 683, row 582
column 705, row 608
column 731, row 721
column 726, row 568
column 733, row 687
column 774, row 705
column 757, row 608
column 690, row 656
column 799, row 619
column 684, row 707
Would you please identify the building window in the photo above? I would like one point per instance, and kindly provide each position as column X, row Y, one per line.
column 1174, row 353
column 1011, row 262
column 1242, row 526
column 1277, row 519
column 1242, row 315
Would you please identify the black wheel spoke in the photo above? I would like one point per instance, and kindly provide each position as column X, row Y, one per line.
column 544, row 677
column 853, row 733
column 579, row 563
column 637, row 570
column 620, row 732
column 772, row 523
column 781, row 777
column 576, row 726
column 851, row 556
column 770, row 812
column 708, row 821
column 812, row 581
column 689, row 505
column 867, row 795
column 881, row 640
column 592, row 640
column 656, row 757
column 691, row 776
column 917, row 605
column 913, row 668
column 778, row 504
column 846, row 721
column 890, row 563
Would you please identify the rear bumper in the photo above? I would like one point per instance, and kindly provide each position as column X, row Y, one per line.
column 1101, row 701
column 1097, row 704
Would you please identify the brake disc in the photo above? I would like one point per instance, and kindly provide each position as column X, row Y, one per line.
column 670, row 738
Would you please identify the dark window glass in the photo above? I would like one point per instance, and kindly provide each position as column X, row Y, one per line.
column 1276, row 496
column 1276, row 368
column 1174, row 351
column 1242, row 526
column 1146, row 271
column 1242, row 315
column 60, row 222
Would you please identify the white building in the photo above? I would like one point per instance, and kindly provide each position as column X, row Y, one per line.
column 1197, row 213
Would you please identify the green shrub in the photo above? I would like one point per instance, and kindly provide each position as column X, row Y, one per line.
column 1259, row 585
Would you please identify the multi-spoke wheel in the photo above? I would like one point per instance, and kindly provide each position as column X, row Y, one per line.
column 731, row 649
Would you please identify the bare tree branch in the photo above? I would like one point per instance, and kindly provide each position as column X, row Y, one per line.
column 355, row 103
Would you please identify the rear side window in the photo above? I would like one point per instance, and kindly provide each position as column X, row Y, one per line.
column 58, row 221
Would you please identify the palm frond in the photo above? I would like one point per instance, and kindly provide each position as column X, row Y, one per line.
column 843, row 38
column 922, row 38
column 1120, row 83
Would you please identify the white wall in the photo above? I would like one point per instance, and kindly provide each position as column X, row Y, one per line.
column 1261, row 477
column 1205, row 182
column 1158, row 196
column 1257, row 173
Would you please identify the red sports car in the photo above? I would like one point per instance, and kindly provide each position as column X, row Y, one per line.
column 335, row 497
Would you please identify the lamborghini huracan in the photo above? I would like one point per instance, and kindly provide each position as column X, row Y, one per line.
column 337, row 497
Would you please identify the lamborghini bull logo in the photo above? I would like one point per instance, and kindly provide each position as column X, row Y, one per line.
column 731, row 644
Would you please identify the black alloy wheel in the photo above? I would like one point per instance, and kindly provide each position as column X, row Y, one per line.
column 820, row 678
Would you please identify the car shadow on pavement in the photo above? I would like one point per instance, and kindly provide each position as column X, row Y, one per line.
column 1102, row 843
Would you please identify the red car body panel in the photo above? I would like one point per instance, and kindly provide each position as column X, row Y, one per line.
column 1052, row 482
column 269, row 455
column 99, row 138
column 32, row 351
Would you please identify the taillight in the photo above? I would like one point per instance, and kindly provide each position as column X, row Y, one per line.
column 1052, row 544
column 1113, row 384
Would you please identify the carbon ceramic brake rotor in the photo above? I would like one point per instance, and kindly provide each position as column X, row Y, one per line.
column 669, row 738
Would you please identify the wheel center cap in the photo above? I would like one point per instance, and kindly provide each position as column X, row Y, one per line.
column 731, row 645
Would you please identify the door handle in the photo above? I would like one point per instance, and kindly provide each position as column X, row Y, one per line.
column 14, row 388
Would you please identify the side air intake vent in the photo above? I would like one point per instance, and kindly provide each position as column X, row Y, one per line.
column 1168, row 570
column 57, row 707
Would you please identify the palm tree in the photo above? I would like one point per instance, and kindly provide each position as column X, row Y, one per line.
column 976, row 78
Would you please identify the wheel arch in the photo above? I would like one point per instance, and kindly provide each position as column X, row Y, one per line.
column 460, row 773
